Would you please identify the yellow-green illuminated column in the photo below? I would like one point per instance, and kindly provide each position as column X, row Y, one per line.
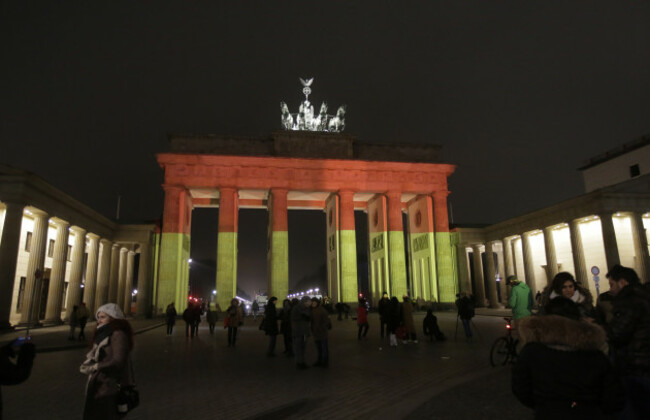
column 447, row 277
column 278, row 253
column 378, row 241
column 397, row 256
column 347, row 236
column 57, row 275
column 9, row 243
column 31, row 295
column 76, row 271
column 227, row 247
column 174, row 249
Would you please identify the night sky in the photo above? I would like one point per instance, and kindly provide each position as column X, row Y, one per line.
column 518, row 93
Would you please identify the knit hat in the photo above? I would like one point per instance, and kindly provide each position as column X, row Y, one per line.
column 112, row 310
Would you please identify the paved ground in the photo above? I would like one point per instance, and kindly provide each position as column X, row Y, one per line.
column 180, row 378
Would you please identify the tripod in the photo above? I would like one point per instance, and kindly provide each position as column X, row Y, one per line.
column 472, row 326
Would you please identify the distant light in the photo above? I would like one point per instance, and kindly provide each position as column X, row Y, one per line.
column 214, row 292
column 317, row 289
column 82, row 285
column 135, row 291
column 189, row 260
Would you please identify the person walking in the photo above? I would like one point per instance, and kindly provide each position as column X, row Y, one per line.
column 521, row 299
column 394, row 319
column 383, row 307
column 235, row 317
column 212, row 316
column 285, row 326
column 465, row 307
column 320, row 325
column 170, row 318
column 271, row 325
column 362, row 319
column 197, row 312
column 407, row 318
column 74, row 322
column 561, row 371
column 107, row 364
column 255, row 308
column 300, row 330
column 628, row 334
column 82, row 319
column 188, row 317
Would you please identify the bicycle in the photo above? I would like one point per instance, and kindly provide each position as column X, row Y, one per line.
column 504, row 349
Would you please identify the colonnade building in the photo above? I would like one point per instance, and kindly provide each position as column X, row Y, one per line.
column 56, row 252
column 585, row 235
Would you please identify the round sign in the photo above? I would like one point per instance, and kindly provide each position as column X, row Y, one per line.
column 595, row 271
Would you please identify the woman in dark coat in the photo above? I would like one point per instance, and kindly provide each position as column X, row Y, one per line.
column 394, row 318
column 107, row 363
column 562, row 372
column 285, row 326
column 271, row 325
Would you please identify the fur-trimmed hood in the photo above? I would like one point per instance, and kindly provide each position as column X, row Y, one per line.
column 558, row 331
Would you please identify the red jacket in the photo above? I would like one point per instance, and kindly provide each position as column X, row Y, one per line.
column 362, row 315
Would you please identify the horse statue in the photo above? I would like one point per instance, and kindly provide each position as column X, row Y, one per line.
column 337, row 123
column 286, row 118
column 320, row 122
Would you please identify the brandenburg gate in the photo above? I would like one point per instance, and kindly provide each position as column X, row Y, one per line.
column 312, row 165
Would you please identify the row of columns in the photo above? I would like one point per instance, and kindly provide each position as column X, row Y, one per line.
column 610, row 245
column 342, row 253
column 108, row 272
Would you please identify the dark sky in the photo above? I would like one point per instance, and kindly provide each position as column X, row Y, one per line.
column 518, row 93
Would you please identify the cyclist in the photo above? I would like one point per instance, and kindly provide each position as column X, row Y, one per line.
column 521, row 299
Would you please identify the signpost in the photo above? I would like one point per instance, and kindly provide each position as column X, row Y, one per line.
column 595, row 271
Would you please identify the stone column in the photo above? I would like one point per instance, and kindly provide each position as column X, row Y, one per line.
column 491, row 276
column 464, row 282
column 143, row 305
column 551, row 255
column 578, row 252
column 501, row 285
column 508, row 257
column 348, row 241
column 397, row 258
column 529, row 266
column 513, row 253
column 444, row 259
column 128, row 288
column 76, row 271
column 278, row 256
column 121, row 282
column 227, row 247
column 479, row 282
column 57, row 276
column 114, row 276
column 101, row 292
column 9, row 244
column 31, row 296
column 609, row 240
column 91, row 272
column 640, row 241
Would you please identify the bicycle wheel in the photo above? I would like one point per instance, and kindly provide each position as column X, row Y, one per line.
column 499, row 354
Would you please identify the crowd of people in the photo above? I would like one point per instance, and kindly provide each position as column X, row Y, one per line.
column 579, row 360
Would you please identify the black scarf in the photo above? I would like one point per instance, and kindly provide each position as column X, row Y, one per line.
column 102, row 332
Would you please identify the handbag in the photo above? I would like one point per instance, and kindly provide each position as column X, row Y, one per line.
column 128, row 396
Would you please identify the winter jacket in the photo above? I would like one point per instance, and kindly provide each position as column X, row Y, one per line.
column 521, row 300
column 582, row 297
column 629, row 331
column 270, row 319
column 465, row 308
column 407, row 316
column 107, row 367
column 300, row 320
column 362, row 315
column 384, row 309
column 236, row 316
column 320, row 323
column 561, row 372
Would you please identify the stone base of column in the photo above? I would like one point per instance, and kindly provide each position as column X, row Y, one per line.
column 51, row 322
column 5, row 327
